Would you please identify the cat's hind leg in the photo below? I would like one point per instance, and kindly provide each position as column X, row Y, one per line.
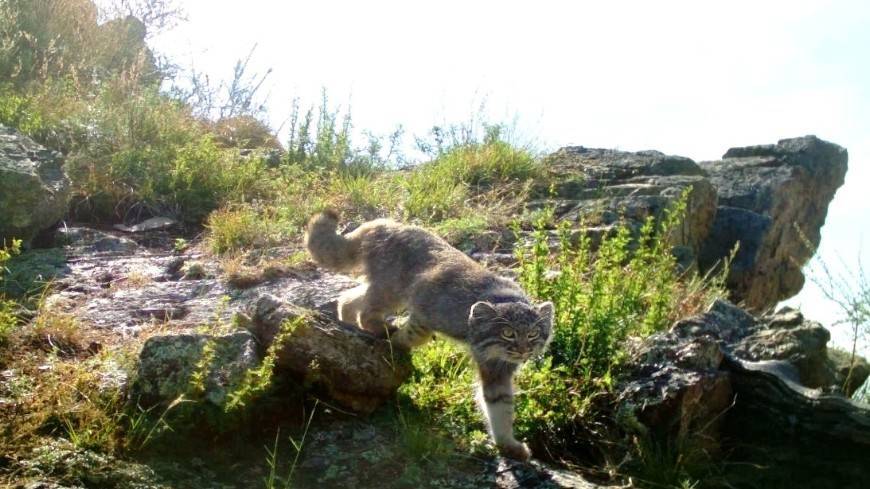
column 376, row 304
column 497, row 402
column 350, row 304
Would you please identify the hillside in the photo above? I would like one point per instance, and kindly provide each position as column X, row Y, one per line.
column 161, row 324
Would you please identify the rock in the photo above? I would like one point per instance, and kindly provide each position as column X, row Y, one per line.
column 69, row 466
column 34, row 190
column 31, row 270
column 152, row 224
column 601, row 187
column 676, row 390
column 728, row 380
column 356, row 453
column 759, row 196
column 170, row 365
column 787, row 336
column 354, row 368
column 789, row 436
column 850, row 373
column 769, row 196
column 114, row 244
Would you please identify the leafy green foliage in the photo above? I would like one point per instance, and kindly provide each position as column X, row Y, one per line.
column 8, row 317
column 440, row 189
column 237, row 228
column 441, row 385
column 458, row 230
column 325, row 144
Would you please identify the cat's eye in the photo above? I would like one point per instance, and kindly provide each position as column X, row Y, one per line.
column 508, row 333
column 534, row 333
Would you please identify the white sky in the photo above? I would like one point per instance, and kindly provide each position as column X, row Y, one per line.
column 690, row 78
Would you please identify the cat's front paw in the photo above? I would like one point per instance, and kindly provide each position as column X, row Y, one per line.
column 516, row 450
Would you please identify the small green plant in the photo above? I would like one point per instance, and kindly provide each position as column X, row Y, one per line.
column 492, row 160
column 458, row 230
column 364, row 196
column 8, row 316
column 433, row 196
column 238, row 228
column 142, row 427
column 324, row 143
column 179, row 245
column 257, row 380
column 273, row 480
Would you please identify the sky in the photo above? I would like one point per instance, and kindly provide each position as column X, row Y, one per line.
column 689, row 78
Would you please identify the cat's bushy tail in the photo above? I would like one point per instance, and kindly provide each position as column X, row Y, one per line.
column 328, row 248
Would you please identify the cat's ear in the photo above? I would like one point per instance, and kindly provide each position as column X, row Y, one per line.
column 546, row 310
column 481, row 311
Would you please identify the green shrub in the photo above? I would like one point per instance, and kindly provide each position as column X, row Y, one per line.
column 458, row 230
column 237, row 228
column 433, row 196
column 490, row 161
column 441, row 386
column 629, row 287
column 442, row 188
column 364, row 196
column 326, row 144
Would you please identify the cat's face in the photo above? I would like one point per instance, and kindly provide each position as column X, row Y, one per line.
column 512, row 332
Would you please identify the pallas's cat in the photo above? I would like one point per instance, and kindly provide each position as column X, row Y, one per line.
column 406, row 268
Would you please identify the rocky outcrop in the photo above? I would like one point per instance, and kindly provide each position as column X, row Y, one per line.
column 773, row 200
column 602, row 188
column 725, row 379
column 34, row 190
column 770, row 199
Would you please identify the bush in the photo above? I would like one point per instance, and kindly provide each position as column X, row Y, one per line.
column 433, row 195
column 487, row 162
column 244, row 131
column 328, row 145
column 42, row 40
column 442, row 188
column 237, row 228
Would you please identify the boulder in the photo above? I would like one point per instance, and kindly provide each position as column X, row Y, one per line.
column 792, row 436
column 34, row 190
column 770, row 199
column 194, row 365
column 788, row 336
column 725, row 380
column 773, row 200
column 354, row 368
